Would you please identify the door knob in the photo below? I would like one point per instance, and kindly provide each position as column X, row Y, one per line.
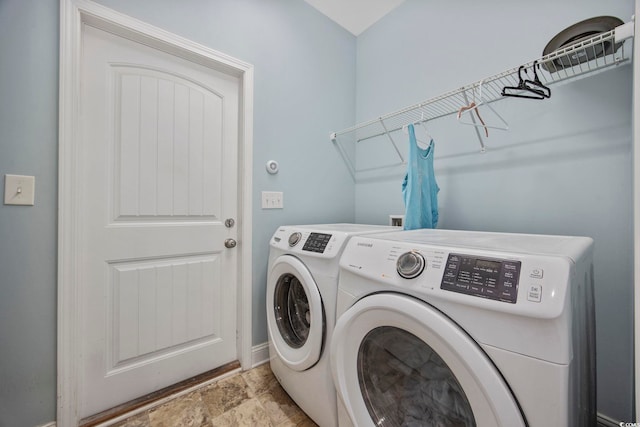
column 230, row 243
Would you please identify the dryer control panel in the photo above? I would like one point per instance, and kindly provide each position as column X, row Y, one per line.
column 309, row 243
column 316, row 242
column 491, row 278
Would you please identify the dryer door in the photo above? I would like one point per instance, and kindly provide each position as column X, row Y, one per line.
column 397, row 361
column 295, row 315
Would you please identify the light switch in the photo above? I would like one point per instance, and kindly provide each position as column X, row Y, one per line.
column 272, row 200
column 19, row 190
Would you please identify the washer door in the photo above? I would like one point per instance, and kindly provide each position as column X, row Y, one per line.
column 397, row 361
column 295, row 316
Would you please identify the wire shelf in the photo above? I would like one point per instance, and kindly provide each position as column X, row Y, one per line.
column 577, row 60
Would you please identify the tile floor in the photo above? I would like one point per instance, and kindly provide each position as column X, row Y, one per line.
column 251, row 398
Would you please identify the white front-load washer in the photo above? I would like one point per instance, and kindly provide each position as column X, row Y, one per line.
column 301, row 310
column 456, row 328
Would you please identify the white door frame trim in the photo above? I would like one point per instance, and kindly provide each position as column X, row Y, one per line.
column 73, row 15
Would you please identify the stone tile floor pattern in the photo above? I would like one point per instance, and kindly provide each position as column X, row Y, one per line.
column 251, row 398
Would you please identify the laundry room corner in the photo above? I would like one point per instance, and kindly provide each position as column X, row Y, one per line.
column 564, row 166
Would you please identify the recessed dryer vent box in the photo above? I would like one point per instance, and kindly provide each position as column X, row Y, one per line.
column 396, row 220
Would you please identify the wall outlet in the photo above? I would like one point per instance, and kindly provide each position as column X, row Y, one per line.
column 272, row 200
column 19, row 190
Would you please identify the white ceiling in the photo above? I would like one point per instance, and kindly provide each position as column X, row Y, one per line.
column 355, row 15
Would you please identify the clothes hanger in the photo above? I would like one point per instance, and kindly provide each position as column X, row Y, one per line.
column 421, row 143
column 522, row 90
column 426, row 132
column 473, row 106
column 536, row 84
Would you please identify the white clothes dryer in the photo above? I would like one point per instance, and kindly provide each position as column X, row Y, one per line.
column 439, row 327
column 301, row 311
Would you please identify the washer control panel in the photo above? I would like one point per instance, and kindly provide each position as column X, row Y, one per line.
column 491, row 278
column 317, row 242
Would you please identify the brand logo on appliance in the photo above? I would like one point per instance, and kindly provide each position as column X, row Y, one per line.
column 366, row 245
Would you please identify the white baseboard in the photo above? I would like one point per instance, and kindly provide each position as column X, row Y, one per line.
column 259, row 354
column 51, row 424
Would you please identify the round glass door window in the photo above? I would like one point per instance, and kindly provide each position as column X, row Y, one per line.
column 405, row 383
column 291, row 308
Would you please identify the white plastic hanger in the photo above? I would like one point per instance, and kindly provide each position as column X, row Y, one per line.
column 473, row 106
column 421, row 143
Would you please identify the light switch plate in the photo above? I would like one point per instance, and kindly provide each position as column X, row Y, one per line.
column 272, row 200
column 19, row 190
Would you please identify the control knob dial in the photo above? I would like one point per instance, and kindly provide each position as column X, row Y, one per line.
column 294, row 238
column 410, row 265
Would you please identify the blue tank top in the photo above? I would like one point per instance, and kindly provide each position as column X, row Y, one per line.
column 419, row 187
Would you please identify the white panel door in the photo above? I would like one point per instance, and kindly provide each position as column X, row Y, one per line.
column 159, row 171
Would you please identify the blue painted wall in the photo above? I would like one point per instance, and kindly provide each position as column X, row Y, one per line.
column 564, row 167
column 304, row 87
column 28, row 146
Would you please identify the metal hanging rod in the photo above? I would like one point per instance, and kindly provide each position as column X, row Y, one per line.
column 584, row 57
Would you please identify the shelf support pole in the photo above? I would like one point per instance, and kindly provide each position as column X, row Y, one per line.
column 386, row 131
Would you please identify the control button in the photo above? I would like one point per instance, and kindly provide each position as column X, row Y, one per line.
column 510, row 266
column 508, row 275
column 410, row 265
column 536, row 273
column 535, row 293
column 464, row 279
column 506, row 294
column 490, row 292
column 294, row 239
